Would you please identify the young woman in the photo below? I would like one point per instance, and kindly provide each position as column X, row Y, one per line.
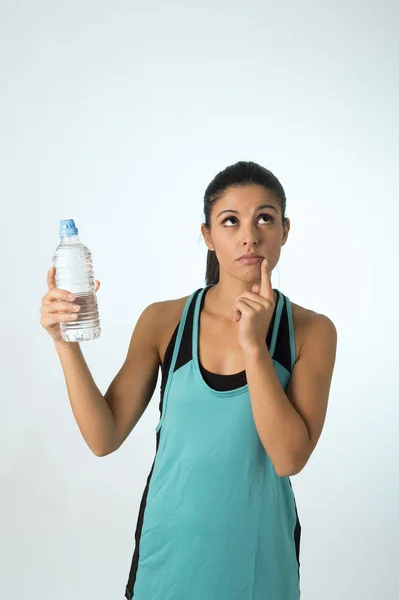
column 246, row 376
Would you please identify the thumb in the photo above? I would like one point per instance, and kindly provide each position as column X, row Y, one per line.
column 96, row 285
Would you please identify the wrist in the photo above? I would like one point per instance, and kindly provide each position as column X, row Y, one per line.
column 252, row 351
column 62, row 346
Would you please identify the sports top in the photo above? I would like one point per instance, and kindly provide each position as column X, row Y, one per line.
column 215, row 522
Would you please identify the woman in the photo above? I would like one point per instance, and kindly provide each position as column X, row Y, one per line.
column 245, row 383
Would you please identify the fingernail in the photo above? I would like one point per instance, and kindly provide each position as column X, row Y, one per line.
column 72, row 296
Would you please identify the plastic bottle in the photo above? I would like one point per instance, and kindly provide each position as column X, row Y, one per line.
column 74, row 273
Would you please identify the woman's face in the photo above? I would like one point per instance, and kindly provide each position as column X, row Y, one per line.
column 246, row 219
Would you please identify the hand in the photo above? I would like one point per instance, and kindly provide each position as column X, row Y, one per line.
column 53, row 302
column 254, row 311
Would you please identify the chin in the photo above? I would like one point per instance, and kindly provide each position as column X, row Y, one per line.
column 249, row 278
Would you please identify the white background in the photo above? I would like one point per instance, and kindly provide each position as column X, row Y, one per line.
column 118, row 115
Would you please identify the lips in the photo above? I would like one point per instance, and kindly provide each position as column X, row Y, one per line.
column 249, row 255
column 250, row 260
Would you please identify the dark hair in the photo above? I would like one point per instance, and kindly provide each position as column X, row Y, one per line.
column 240, row 174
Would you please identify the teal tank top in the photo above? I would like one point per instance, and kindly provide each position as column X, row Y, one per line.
column 216, row 522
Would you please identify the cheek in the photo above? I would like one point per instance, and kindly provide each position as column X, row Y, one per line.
column 225, row 245
column 222, row 240
column 275, row 256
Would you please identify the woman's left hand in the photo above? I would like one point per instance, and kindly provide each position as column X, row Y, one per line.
column 254, row 311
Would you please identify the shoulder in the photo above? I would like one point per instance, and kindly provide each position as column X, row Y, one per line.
column 311, row 327
column 165, row 316
column 165, row 310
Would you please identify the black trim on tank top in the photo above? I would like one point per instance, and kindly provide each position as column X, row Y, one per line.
column 139, row 527
column 297, row 535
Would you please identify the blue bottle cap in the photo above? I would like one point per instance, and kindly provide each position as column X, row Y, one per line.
column 68, row 227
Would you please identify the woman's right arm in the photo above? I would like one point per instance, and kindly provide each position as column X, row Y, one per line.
column 106, row 421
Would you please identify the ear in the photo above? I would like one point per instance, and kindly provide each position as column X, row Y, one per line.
column 286, row 229
column 206, row 234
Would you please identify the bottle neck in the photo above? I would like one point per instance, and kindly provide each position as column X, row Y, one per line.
column 70, row 240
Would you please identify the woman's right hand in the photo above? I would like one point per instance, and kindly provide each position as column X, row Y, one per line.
column 53, row 302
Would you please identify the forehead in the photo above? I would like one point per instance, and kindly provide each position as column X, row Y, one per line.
column 247, row 198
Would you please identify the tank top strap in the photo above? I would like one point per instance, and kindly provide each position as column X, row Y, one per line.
column 291, row 331
column 277, row 319
column 195, row 331
column 174, row 356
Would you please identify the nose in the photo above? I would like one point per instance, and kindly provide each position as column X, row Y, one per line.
column 250, row 238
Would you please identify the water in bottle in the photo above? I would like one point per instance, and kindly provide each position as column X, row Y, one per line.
column 74, row 272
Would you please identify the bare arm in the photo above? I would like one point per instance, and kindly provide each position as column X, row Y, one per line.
column 290, row 422
column 106, row 421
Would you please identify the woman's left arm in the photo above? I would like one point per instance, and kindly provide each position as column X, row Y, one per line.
column 290, row 423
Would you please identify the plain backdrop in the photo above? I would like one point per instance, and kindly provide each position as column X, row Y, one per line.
column 118, row 115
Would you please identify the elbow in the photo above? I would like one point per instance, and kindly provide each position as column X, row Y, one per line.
column 290, row 467
column 288, row 472
column 105, row 446
column 102, row 451
column 293, row 461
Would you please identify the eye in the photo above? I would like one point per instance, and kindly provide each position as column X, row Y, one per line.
column 228, row 219
column 271, row 219
column 268, row 217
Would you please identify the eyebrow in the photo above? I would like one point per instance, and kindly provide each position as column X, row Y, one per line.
column 259, row 207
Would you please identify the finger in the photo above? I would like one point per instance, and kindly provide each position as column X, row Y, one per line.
column 247, row 295
column 250, row 297
column 241, row 307
column 256, row 288
column 96, row 285
column 55, row 307
column 49, row 320
column 56, row 294
column 51, row 278
column 254, row 305
column 266, row 290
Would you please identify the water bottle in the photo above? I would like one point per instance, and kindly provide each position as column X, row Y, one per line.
column 74, row 272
